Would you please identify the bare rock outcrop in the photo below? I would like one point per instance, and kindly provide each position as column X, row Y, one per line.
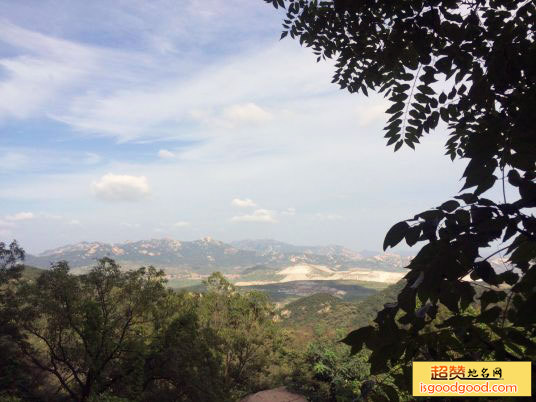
column 274, row 395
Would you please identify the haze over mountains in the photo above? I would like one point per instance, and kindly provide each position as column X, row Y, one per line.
column 207, row 255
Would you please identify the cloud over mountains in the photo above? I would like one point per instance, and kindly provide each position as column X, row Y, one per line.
column 112, row 187
column 259, row 215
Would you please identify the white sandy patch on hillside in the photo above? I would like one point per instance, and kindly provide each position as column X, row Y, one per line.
column 305, row 272
column 378, row 276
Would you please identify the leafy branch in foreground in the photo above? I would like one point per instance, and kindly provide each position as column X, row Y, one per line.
column 471, row 65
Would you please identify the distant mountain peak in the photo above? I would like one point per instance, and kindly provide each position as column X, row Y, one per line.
column 207, row 255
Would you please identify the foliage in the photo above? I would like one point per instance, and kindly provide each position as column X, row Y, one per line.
column 31, row 273
column 89, row 331
column 472, row 65
column 325, row 371
column 306, row 315
column 113, row 335
column 248, row 339
column 16, row 377
column 218, row 345
column 9, row 398
column 10, row 258
column 184, row 363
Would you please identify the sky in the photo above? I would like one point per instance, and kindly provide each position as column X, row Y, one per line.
column 130, row 120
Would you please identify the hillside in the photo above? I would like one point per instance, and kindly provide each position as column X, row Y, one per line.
column 31, row 273
column 308, row 310
column 305, row 305
column 201, row 255
column 269, row 246
column 328, row 311
column 340, row 290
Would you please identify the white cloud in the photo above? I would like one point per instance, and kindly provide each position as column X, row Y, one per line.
column 91, row 158
column 51, row 216
column 289, row 212
column 32, row 84
column 6, row 225
column 46, row 158
column 243, row 203
column 304, row 155
column 327, row 217
column 165, row 154
column 181, row 224
column 21, row 216
column 5, row 228
column 112, row 187
column 368, row 114
column 36, row 79
column 13, row 160
column 130, row 225
column 47, row 74
column 259, row 215
column 245, row 113
column 153, row 103
column 74, row 222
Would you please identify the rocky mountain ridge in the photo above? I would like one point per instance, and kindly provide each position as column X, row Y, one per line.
column 207, row 255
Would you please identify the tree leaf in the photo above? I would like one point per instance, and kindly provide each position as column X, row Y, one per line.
column 490, row 315
column 391, row 392
column 395, row 234
column 396, row 107
column 356, row 338
column 412, row 235
column 450, row 206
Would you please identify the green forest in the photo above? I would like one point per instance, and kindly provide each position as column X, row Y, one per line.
column 115, row 335
column 124, row 335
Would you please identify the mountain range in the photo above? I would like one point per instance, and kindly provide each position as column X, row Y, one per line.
column 207, row 255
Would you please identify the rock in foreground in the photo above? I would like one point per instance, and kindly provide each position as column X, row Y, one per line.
column 274, row 395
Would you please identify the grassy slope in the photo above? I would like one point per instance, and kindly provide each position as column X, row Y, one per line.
column 31, row 273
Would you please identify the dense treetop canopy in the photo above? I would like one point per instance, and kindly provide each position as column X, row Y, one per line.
column 10, row 261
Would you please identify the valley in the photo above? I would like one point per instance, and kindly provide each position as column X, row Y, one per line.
column 245, row 263
column 285, row 272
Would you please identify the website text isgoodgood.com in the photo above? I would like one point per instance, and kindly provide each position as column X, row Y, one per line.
column 467, row 388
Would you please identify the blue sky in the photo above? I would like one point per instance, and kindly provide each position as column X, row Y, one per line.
column 127, row 120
